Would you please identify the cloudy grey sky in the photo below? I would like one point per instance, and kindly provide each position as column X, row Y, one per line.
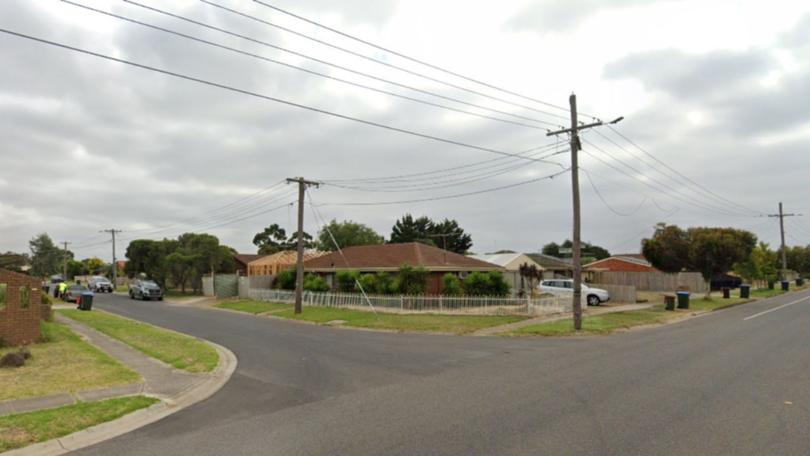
column 718, row 91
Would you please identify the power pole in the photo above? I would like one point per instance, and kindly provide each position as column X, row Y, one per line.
column 299, row 264
column 112, row 231
column 64, row 260
column 782, row 216
column 576, row 146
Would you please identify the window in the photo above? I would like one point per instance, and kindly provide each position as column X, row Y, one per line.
column 3, row 294
column 25, row 297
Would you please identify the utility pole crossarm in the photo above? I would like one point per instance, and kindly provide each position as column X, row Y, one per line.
column 299, row 264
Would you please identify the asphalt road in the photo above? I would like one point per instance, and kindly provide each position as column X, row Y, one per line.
column 715, row 385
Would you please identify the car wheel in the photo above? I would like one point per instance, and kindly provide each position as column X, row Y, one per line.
column 131, row 295
column 160, row 298
column 593, row 300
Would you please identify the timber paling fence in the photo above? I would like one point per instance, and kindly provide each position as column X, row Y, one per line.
column 484, row 305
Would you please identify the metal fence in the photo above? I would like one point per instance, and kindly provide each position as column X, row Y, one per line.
column 484, row 305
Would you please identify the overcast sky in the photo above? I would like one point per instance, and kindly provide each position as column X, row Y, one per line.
column 718, row 91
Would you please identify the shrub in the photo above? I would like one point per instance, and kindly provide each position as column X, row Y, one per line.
column 45, row 299
column 313, row 282
column 477, row 284
column 498, row 285
column 13, row 359
column 346, row 280
column 285, row 280
column 369, row 283
column 451, row 285
column 412, row 280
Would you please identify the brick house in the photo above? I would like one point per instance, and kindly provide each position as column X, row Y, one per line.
column 390, row 257
column 20, row 308
column 621, row 263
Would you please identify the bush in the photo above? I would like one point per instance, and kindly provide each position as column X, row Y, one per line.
column 285, row 280
column 346, row 280
column 313, row 282
column 451, row 285
column 385, row 283
column 45, row 299
column 412, row 280
column 369, row 283
column 486, row 284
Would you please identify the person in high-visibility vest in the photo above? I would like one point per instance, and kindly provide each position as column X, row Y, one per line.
column 62, row 289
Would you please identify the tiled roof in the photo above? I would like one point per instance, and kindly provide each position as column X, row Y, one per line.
column 286, row 257
column 392, row 256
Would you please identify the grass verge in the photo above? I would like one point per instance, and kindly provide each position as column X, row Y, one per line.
column 178, row 350
column 254, row 307
column 24, row 429
column 457, row 324
column 63, row 363
column 607, row 323
column 177, row 295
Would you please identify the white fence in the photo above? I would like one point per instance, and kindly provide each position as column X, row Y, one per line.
column 485, row 305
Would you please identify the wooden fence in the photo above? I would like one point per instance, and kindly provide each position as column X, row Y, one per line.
column 653, row 281
column 485, row 305
column 624, row 294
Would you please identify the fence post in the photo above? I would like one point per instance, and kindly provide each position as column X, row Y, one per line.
column 440, row 303
column 401, row 303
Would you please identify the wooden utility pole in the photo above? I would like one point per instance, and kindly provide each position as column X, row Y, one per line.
column 65, row 260
column 576, row 259
column 782, row 216
column 299, row 264
column 113, row 231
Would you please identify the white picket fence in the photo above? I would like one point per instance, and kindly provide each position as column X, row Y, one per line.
column 485, row 305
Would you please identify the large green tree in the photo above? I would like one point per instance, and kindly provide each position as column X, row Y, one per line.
column 714, row 251
column 587, row 249
column 347, row 234
column 760, row 265
column 668, row 249
column 446, row 233
column 46, row 257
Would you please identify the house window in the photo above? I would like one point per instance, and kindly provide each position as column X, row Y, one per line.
column 25, row 296
column 3, row 294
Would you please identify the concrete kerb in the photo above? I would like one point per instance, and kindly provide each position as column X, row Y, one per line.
column 212, row 383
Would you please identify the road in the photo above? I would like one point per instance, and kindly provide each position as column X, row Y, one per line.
column 718, row 384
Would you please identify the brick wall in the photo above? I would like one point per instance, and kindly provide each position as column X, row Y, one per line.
column 19, row 321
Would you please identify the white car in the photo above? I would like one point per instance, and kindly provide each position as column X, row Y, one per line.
column 592, row 296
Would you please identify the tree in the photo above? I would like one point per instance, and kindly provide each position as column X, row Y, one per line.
column 274, row 239
column 551, row 249
column 180, row 267
column 668, row 249
column 14, row 261
column 148, row 257
column 46, row 257
column 285, row 280
column 94, row 265
column 347, row 234
column 760, row 265
column 529, row 273
column 714, row 251
column 445, row 234
column 586, row 248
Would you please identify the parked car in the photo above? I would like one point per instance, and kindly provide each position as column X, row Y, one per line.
column 100, row 285
column 592, row 296
column 145, row 290
column 73, row 292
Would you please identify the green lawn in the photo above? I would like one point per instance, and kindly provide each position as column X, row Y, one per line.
column 64, row 363
column 27, row 428
column 602, row 324
column 254, row 307
column 178, row 350
column 457, row 324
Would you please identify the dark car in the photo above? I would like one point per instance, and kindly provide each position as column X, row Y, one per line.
column 100, row 285
column 145, row 290
column 73, row 292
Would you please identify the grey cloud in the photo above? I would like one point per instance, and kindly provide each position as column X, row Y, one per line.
column 683, row 75
column 556, row 16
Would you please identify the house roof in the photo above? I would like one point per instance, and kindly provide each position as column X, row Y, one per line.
column 389, row 257
column 549, row 262
column 626, row 259
column 246, row 258
column 507, row 259
column 285, row 257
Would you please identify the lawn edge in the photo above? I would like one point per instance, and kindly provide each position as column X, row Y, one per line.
column 215, row 380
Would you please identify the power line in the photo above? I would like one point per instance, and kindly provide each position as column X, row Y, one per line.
column 702, row 190
column 412, row 59
column 458, row 195
column 267, row 97
column 673, row 192
column 599, row 194
column 333, row 65
column 295, row 67
column 381, row 62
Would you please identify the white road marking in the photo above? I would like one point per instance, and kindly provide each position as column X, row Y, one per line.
column 777, row 308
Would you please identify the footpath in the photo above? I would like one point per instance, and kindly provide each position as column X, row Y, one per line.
column 491, row 331
column 175, row 388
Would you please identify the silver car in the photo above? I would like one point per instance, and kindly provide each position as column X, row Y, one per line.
column 145, row 290
column 557, row 287
column 100, row 285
